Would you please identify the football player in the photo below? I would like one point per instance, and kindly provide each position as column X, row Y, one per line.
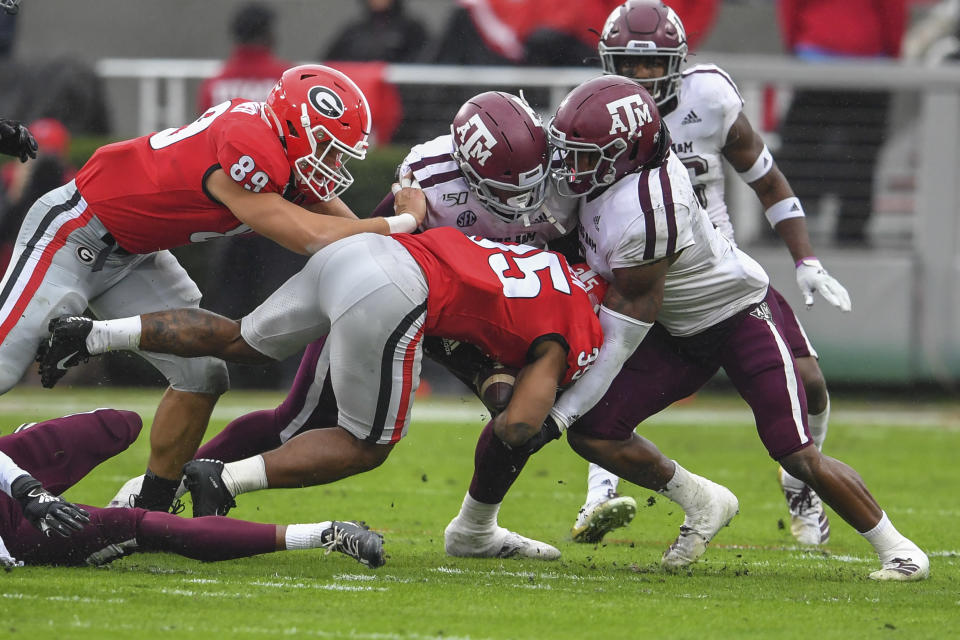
column 487, row 177
column 375, row 298
column 643, row 230
column 102, row 241
column 41, row 460
column 644, row 40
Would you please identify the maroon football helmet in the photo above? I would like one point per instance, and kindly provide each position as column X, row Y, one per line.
column 500, row 145
column 605, row 129
column 645, row 28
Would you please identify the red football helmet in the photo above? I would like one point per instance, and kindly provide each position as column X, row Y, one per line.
column 645, row 28
column 500, row 145
column 605, row 129
column 323, row 120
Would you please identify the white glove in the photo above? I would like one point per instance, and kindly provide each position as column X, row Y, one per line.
column 813, row 278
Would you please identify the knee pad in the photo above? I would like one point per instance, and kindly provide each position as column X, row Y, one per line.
column 193, row 375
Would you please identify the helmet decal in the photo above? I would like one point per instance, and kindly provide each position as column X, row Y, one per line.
column 480, row 142
column 326, row 102
column 637, row 113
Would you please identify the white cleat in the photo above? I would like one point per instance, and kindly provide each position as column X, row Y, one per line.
column 808, row 519
column 599, row 518
column 124, row 497
column 909, row 565
column 717, row 509
column 495, row 543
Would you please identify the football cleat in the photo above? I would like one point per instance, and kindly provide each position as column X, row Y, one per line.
column 598, row 518
column 125, row 496
column 717, row 509
column 112, row 552
column 204, row 480
column 808, row 519
column 355, row 540
column 66, row 347
column 498, row 542
column 908, row 566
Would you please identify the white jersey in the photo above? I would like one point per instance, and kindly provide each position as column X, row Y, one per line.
column 653, row 214
column 707, row 106
column 450, row 203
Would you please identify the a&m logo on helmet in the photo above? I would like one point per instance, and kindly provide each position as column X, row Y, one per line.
column 628, row 115
column 326, row 102
column 476, row 141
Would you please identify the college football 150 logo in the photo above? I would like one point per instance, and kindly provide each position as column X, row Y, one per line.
column 476, row 141
column 628, row 115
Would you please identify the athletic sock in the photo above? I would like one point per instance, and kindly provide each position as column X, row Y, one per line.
column 245, row 475
column 156, row 493
column 600, row 484
column 111, row 335
column 886, row 540
column 818, row 425
column 684, row 488
column 306, row 536
column 478, row 517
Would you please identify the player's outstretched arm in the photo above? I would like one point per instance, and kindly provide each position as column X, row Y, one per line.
column 294, row 227
column 748, row 154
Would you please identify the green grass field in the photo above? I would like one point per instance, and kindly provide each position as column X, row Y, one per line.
column 753, row 581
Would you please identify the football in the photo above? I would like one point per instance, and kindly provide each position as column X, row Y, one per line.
column 495, row 385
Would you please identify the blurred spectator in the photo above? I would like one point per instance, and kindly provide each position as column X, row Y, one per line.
column 252, row 68
column 831, row 138
column 385, row 32
column 22, row 184
column 8, row 32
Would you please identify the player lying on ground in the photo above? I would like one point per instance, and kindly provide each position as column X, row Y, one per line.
column 375, row 297
column 41, row 460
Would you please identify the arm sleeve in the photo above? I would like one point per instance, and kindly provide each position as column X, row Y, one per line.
column 621, row 337
column 9, row 471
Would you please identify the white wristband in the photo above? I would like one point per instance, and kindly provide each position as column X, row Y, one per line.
column 784, row 210
column 760, row 168
column 402, row 223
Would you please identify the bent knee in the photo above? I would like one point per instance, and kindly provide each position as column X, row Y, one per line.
column 193, row 375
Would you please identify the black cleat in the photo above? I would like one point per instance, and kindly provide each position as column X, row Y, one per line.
column 66, row 347
column 204, row 479
column 355, row 540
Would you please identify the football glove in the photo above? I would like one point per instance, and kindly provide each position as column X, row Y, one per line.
column 549, row 432
column 813, row 278
column 45, row 511
column 16, row 140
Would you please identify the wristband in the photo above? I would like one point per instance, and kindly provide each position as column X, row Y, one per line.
column 804, row 261
column 760, row 168
column 402, row 223
column 784, row 210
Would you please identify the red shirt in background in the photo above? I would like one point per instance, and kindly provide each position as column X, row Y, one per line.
column 250, row 72
column 868, row 28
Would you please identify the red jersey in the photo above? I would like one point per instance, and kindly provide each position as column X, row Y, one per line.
column 250, row 72
column 504, row 297
column 149, row 191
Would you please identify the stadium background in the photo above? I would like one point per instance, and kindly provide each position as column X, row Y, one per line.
column 904, row 284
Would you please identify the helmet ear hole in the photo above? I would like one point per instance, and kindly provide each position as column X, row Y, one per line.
column 292, row 130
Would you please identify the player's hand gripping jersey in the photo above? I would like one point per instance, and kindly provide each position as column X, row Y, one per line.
column 504, row 298
column 149, row 191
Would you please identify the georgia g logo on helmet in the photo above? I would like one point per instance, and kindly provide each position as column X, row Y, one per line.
column 476, row 141
column 326, row 101
column 636, row 112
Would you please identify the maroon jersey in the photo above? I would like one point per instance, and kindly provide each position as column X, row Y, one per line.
column 503, row 297
column 149, row 191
